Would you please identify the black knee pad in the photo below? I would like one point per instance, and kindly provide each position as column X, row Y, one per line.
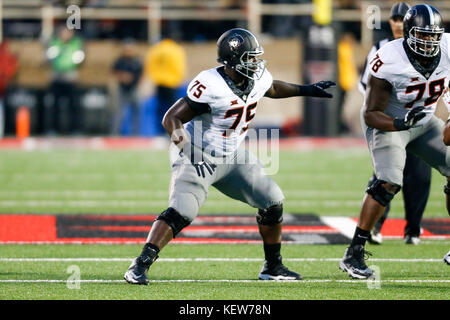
column 174, row 220
column 380, row 194
column 447, row 188
column 270, row 216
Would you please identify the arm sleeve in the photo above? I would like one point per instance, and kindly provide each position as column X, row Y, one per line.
column 365, row 74
column 200, row 89
column 385, row 66
column 198, row 107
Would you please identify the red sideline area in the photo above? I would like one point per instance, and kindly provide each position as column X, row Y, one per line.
column 42, row 229
column 395, row 228
column 38, row 229
column 119, row 143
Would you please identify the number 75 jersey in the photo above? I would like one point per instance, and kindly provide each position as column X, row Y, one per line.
column 224, row 125
column 411, row 88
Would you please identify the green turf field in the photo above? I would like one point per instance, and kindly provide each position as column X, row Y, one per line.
column 322, row 182
column 224, row 279
column 328, row 183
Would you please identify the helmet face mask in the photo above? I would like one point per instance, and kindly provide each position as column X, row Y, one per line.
column 239, row 50
column 425, row 42
column 250, row 65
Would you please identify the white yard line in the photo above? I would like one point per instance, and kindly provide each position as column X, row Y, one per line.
column 344, row 225
column 231, row 281
column 202, row 260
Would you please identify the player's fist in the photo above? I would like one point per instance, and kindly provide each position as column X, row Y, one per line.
column 195, row 156
column 411, row 118
column 318, row 89
column 414, row 115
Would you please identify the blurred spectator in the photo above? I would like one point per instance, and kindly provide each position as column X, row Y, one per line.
column 165, row 66
column 348, row 74
column 127, row 70
column 65, row 54
column 8, row 68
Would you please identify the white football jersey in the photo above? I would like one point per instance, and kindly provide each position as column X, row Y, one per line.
column 362, row 85
column 224, row 128
column 410, row 88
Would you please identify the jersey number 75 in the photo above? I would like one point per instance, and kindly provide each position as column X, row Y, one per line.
column 238, row 112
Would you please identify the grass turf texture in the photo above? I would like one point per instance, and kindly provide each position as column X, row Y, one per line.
column 313, row 271
column 329, row 182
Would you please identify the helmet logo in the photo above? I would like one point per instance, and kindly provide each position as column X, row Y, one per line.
column 235, row 42
column 411, row 14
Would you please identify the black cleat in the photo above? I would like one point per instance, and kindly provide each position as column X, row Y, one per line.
column 137, row 272
column 353, row 263
column 277, row 272
column 447, row 258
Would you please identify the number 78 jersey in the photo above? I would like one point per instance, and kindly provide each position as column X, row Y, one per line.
column 224, row 126
column 410, row 88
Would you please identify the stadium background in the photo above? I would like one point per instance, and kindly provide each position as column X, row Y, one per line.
column 284, row 28
column 92, row 188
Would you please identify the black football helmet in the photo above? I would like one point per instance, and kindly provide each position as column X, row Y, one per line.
column 423, row 29
column 240, row 50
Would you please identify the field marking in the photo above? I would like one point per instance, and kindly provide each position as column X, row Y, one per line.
column 345, row 225
column 203, row 260
column 160, row 193
column 145, row 176
column 163, row 202
column 233, row 281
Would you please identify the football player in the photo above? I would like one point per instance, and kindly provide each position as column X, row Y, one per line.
column 407, row 78
column 217, row 110
column 417, row 173
column 446, row 140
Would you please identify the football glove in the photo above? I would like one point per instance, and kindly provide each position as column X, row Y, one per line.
column 411, row 118
column 197, row 160
column 317, row 89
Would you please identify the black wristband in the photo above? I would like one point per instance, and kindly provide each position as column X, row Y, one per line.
column 305, row 90
column 400, row 125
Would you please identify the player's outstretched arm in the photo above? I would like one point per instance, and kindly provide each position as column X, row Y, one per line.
column 281, row 89
column 173, row 121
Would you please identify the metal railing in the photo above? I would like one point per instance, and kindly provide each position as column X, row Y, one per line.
column 154, row 11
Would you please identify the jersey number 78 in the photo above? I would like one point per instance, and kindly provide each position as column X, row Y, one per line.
column 435, row 89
